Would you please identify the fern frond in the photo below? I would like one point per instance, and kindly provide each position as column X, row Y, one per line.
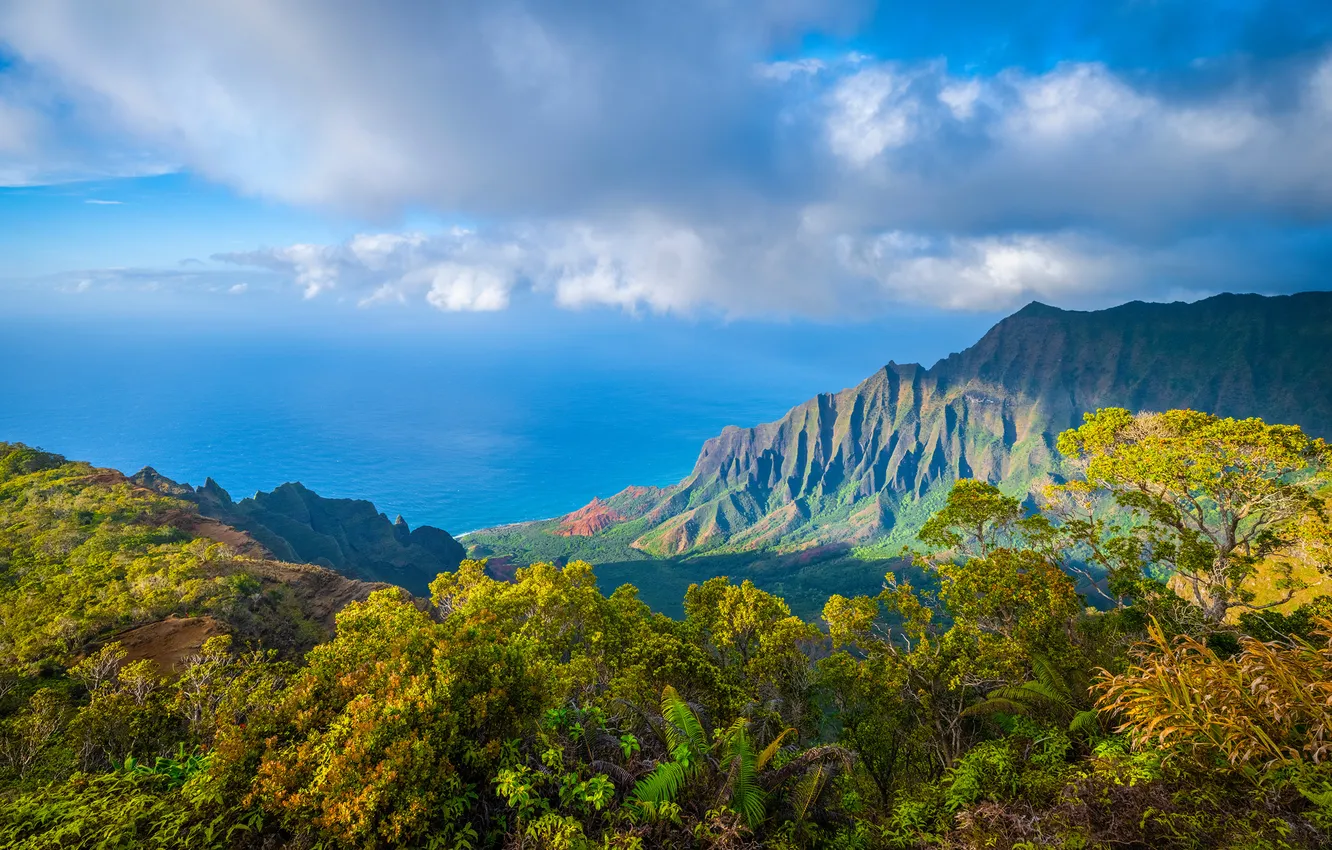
column 1053, row 680
column 746, row 796
column 807, row 791
column 826, row 756
column 621, row 777
column 1041, row 693
column 661, row 785
column 682, row 727
column 997, row 705
column 773, row 748
column 1085, row 722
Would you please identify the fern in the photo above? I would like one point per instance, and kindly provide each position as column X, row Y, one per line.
column 662, row 785
column 773, row 748
column 807, row 791
column 1050, row 693
column 738, row 756
column 681, row 728
column 1085, row 722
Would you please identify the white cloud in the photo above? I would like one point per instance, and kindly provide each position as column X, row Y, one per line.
column 652, row 158
column 806, row 266
column 1069, row 104
column 783, row 71
column 961, row 98
column 102, row 202
column 872, row 111
column 985, row 273
column 457, row 288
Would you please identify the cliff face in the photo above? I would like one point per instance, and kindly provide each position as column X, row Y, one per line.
column 869, row 463
column 350, row 536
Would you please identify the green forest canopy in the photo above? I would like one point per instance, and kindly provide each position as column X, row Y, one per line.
column 990, row 706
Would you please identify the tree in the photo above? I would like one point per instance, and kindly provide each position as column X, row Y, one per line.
column 25, row 738
column 976, row 519
column 752, row 633
column 1210, row 497
column 390, row 732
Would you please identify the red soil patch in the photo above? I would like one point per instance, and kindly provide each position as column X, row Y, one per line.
column 593, row 518
column 502, row 568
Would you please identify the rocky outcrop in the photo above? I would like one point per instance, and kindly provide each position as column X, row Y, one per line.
column 295, row 524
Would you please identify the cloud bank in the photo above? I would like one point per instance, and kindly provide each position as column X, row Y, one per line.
column 670, row 158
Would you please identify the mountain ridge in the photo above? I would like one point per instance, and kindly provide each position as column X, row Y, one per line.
column 865, row 465
column 350, row 536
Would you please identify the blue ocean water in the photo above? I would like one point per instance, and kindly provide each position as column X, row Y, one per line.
column 458, row 426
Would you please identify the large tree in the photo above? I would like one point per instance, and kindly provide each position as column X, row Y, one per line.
column 1210, row 497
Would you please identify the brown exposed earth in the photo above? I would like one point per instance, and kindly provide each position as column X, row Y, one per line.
column 502, row 567
column 321, row 593
column 169, row 642
column 239, row 541
column 593, row 518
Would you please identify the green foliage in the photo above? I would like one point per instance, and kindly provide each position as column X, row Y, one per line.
column 175, row 770
column 1054, row 694
column 988, row 771
column 950, row 707
column 1213, row 496
column 116, row 810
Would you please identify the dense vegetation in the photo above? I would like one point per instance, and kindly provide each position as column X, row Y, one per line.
column 983, row 703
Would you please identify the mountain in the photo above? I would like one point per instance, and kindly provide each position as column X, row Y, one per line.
column 865, row 466
column 89, row 555
column 295, row 524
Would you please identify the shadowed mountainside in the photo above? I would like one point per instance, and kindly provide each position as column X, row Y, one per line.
column 867, row 465
column 350, row 536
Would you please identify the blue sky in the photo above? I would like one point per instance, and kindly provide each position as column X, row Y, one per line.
column 768, row 161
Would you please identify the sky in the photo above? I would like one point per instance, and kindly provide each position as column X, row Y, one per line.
column 335, row 162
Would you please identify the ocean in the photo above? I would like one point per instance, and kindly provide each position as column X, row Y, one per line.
column 454, row 425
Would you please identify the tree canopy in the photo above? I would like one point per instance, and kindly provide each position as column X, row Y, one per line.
column 1101, row 673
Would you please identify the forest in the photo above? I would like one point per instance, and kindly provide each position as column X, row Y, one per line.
column 1182, row 699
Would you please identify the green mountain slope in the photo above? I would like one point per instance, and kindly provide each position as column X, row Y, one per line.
column 865, row 466
column 88, row 555
column 348, row 535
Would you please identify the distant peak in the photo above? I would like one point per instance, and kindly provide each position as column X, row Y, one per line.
column 1036, row 308
column 211, row 487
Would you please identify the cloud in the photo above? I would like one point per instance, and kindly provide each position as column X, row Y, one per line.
column 45, row 139
column 146, row 281
column 484, row 107
column 101, row 202
column 1076, row 145
column 802, row 267
column 687, row 157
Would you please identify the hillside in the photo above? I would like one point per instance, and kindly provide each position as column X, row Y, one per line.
column 865, row 466
column 88, row 555
column 351, row 536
